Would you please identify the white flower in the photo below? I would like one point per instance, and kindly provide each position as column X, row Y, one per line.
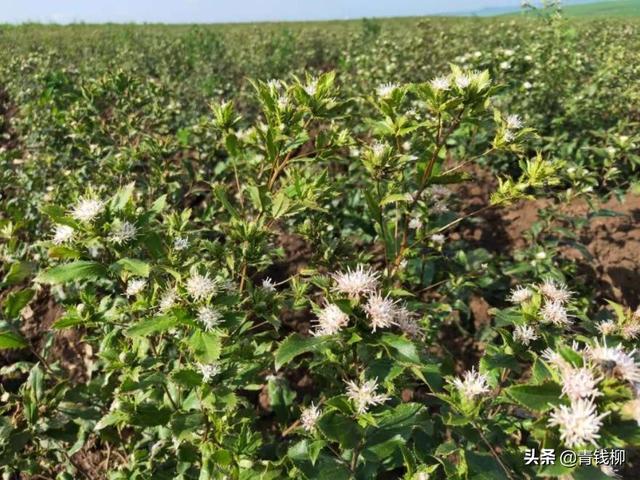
column 554, row 358
column 309, row 417
column 527, row 85
column 631, row 330
column 505, row 65
column 524, row 334
column 473, row 383
column 520, row 294
column 208, row 371
column 462, row 80
column 513, row 122
column 168, row 300
column 579, row 383
column 555, row 292
column 135, row 286
column 378, row 149
column 407, row 321
column 364, row 395
column 509, row 136
column 331, row 320
column 579, row 424
column 386, row 89
column 87, row 209
column 180, row 243
column 268, row 285
column 283, row 102
column 312, row 87
column 356, row 282
column 381, row 311
column 209, row 317
column 415, row 223
column 123, row 232
column 273, row 84
column 554, row 312
column 439, row 192
column 62, row 234
column 200, row 287
column 607, row 327
column 615, row 361
column 633, row 408
column 438, row 238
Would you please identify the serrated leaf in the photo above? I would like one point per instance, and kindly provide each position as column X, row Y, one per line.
column 78, row 270
column 132, row 265
column 405, row 349
column 295, row 345
column 11, row 340
column 206, row 346
column 18, row 272
column 16, row 301
column 122, row 197
column 152, row 325
column 536, row 397
column 395, row 197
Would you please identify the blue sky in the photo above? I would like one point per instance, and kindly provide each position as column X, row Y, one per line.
column 211, row 11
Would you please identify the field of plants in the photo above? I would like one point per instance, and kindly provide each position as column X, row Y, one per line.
column 377, row 249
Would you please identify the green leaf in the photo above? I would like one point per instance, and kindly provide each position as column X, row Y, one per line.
column 341, row 429
column 295, row 345
column 78, row 270
column 405, row 349
column 150, row 415
column 71, row 318
column 122, row 197
column 450, row 178
column 18, row 272
column 536, row 397
column 187, row 377
column 149, row 326
column 132, row 265
column 206, row 346
column 483, row 466
column 395, row 197
column 16, row 301
column 182, row 424
column 280, row 205
column 11, row 340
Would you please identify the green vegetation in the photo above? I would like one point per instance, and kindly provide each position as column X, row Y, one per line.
column 610, row 8
column 286, row 250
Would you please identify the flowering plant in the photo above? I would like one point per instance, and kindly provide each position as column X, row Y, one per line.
column 211, row 349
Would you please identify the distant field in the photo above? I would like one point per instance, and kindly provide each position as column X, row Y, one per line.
column 616, row 8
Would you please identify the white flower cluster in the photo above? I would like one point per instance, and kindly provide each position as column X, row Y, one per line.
column 135, row 286
column 472, row 384
column 382, row 311
column 209, row 317
column 386, row 90
column 309, row 417
column 123, row 232
column 201, row 287
column 331, row 320
column 555, row 297
column 580, row 423
column 208, row 371
column 86, row 209
column 62, row 234
column 364, row 395
column 512, row 124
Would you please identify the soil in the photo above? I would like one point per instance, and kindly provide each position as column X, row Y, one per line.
column 612, row 241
